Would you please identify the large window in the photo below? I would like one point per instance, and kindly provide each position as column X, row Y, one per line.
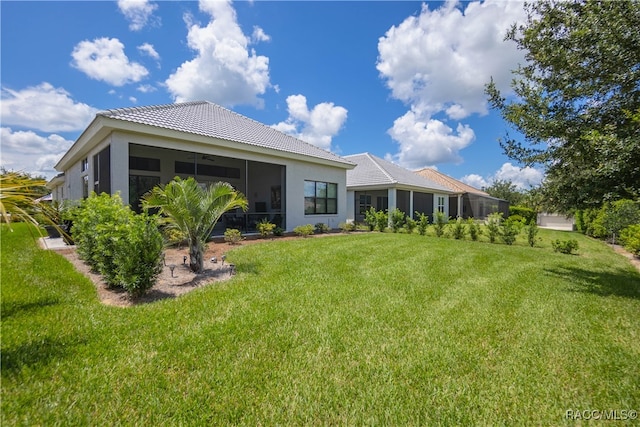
column 320, row 198
column 102, row 171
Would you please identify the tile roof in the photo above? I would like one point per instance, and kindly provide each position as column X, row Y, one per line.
column 212, row 120
column 447, row 181
column 372, row 170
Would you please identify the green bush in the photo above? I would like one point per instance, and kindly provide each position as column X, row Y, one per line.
column 532, row 233
column 529, row 215
column 232, row 236
column 123, row 247
column 382, row 220
column 137, row 254
column 422, row 223
column 630, row 239
column 278, row 231
column 564, row 246
column 94, row 213
column 304, row 230
column 510, row 231
column 347, row 227
column 459, row 229
column 474, row 229
column 440, row 220
column 494, row 221
column 265, row 227
column 321, row 227
column 410, row 225
column 397, row 220
column 370, row 218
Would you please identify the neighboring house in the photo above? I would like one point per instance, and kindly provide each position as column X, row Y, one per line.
column 468, row 202
column 131, row 150
column 380, row 184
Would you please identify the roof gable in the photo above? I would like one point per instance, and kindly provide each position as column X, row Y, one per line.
column 212, row 120
column 371, row 171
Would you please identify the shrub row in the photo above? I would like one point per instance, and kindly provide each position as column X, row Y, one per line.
column 619, row 219
column 124, row 247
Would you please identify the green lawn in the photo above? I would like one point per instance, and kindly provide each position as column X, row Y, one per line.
column 368, row 328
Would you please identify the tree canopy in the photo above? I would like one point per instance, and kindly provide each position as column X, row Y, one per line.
column 577, row 99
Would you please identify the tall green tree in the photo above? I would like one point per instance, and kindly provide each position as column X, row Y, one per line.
column 577, row 99
column 194, row 210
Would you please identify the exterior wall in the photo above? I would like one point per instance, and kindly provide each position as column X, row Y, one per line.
column 296, row 173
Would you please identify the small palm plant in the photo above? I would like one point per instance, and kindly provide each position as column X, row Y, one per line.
column 194, row 210
column 18, row 192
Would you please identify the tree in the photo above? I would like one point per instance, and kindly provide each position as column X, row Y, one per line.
column 505, row 190
column 577, row 100
column 194, row 210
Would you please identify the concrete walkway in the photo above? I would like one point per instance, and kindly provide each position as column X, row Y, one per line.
column 55, row 243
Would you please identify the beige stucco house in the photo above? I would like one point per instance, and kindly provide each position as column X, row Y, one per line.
column 131, row 150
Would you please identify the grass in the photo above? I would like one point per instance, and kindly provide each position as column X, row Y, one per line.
column 369, row 328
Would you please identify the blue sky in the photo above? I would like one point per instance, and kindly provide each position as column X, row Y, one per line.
column 401, row 80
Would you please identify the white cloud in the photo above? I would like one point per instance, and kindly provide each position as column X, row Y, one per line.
column 146, row 88
column 427, row 142
column 44, row 108
column 317, row 126
column 259, row 35
column 523, row 178
column 29, row 152
column 104, row 59
column 439, row 61
column 137, row 12
column 475, row 181
column 149, row 50
column 224, row 69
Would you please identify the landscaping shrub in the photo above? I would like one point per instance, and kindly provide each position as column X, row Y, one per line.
column 630, row 239
column 529, row 215
column 459, row 229
column 564, row 246
column 278, row 231
column 422, row 223
column 95, row 216
column 265, row 227
column 304, row 230
column 493, row 226
column 510, row 231
column 440, row 220
column 370, row 218
column 232, row 236
column 347, row 227
column 474, row 229
column 382, row 220
column 532, row 233
column 410, row 225
column 137, row 254
column 397, row 220
column 321, row 227
column 123, row 247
